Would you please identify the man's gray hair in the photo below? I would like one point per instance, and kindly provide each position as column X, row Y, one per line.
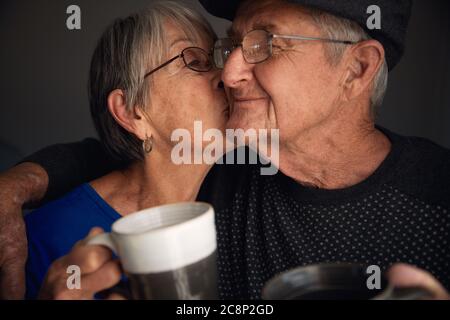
column 127, row 50
column 343, row 29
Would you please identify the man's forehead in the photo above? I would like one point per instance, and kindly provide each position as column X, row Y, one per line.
column 237, row 30
column 271, row 15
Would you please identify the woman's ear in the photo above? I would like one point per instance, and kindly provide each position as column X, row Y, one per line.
column 131, row 119
column 364, row 61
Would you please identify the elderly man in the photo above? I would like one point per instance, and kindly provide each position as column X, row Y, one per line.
column 347, row 190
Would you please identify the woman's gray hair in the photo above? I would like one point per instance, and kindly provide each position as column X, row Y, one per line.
column 128, row 49
column 343, row 29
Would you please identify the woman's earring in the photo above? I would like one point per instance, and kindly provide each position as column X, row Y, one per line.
column 147, row 144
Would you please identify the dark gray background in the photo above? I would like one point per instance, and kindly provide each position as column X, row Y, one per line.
column 44, row 66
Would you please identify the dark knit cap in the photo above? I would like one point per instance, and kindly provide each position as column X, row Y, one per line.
column 395, row 16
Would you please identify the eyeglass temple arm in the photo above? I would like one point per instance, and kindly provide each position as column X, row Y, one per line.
column 163, row 65
column 313, row 39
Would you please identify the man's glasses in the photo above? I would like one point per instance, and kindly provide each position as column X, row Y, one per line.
column 194, row 58
column 257, row 46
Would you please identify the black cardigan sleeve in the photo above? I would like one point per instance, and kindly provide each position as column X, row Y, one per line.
column 69, row 165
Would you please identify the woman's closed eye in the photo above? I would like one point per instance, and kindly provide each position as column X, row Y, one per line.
column 194, row 63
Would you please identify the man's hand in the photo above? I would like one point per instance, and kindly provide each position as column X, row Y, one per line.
column 25, row 183
column 98, row 272
column 403, row 275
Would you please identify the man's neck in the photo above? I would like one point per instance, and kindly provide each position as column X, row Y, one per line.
column 335, row 155
column 153, row 182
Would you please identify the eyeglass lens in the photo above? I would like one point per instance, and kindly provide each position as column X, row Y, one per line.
column 256, row 47
column 197, row 60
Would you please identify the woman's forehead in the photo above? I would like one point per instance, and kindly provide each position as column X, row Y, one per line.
column 177, row 36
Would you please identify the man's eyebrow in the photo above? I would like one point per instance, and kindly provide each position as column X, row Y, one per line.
column 261, row 25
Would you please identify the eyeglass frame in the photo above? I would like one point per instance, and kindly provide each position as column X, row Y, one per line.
column 181, row 55
column 272, row 36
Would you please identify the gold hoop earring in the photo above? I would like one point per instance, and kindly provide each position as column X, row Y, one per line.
column 147, row 144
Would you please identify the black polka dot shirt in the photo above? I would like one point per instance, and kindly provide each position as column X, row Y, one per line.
column 270, row 224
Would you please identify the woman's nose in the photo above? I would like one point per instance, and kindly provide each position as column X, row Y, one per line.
column 217, row 79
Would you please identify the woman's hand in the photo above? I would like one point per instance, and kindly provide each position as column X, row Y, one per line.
column 98, row 272
column 403, row 275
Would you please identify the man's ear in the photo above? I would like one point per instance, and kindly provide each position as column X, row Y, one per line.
column 131, row 119
column 364, row 61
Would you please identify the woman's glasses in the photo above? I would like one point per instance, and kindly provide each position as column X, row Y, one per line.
column 194, row 58
column 257, row 46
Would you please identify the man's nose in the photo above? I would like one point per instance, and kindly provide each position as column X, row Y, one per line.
column 236, row 70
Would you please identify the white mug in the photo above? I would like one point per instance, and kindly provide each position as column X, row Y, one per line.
column 167, row 252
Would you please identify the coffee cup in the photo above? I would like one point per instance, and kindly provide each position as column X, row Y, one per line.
column 167, row 252
column 340, row 281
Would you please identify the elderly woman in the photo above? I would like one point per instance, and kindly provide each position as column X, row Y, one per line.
column 150, row 74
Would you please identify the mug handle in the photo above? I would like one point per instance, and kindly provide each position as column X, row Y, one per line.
column 406, row 293
column 103, row 239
